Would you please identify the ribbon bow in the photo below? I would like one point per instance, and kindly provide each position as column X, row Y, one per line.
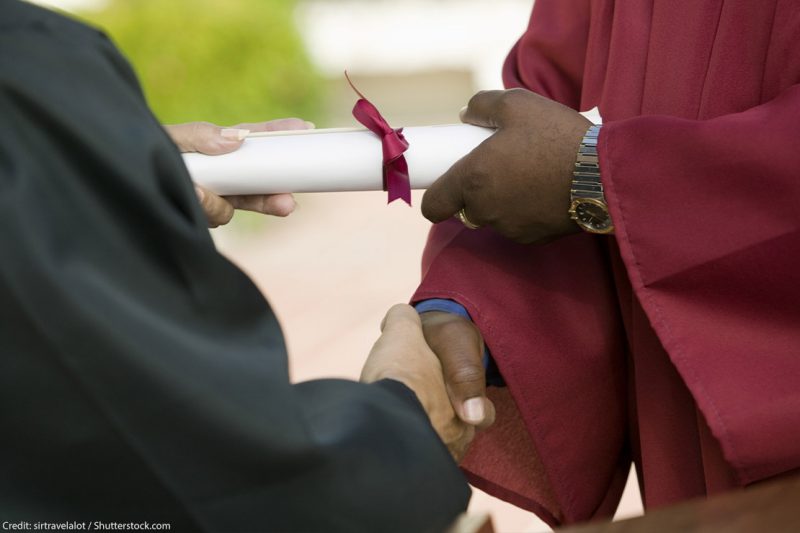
column 395, row 168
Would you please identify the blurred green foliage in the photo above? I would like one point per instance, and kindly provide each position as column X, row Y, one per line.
column 223, row 61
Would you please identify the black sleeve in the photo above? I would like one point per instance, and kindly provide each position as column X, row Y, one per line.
column 142, row 376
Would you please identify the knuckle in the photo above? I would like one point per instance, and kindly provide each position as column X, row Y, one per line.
column 476, row 98
column 470, row 374
column 516, row 94
column 456, row 433
column 293, row 123
column 456, row 332
column 194, row 134
column 453, row 326
column 207, row 202
column 514, row 232
column 218, row 210
column 227, row 213
column 459, row 446
column 195, row 129
column 509, row 102
column 403, row 316
column 489, row 217
column 476, row 179
column 204, row 130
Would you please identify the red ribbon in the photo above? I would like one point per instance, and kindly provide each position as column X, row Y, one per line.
column 395, row 167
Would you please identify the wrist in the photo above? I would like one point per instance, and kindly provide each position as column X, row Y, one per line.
column 588, row 207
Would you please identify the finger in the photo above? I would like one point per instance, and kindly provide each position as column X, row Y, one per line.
column 466, row 383
column 400, row 327
column 279, row 205
column 402, row 316
column 484, row 109
column 282, row 124
column 490, row 414
column 445, row 196
column 217, row 209
column 471, row 217
column 458, row 449
column 459, row 347
column 206, row 138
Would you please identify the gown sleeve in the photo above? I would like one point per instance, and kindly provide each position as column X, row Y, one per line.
column 709, row 232
column 143, row 377
column 549, row 57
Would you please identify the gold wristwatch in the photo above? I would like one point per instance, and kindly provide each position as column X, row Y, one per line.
column 588, row 208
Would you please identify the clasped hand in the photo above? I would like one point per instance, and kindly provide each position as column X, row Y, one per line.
column 405, row 352
column 210, row 139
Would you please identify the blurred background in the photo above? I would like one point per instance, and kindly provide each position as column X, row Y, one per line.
column 332, row 268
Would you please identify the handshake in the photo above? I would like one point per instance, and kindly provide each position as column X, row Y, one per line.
column 437, row 355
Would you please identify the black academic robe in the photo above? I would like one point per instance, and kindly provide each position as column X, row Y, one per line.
column 143, row 377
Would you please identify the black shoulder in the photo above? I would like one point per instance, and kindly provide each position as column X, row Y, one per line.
column 18, row 16
column 37, row 44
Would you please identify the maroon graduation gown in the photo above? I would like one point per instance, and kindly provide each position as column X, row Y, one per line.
column 677, row 341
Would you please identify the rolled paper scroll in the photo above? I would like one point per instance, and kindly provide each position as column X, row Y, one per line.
column 330, row 160
column 395, row 144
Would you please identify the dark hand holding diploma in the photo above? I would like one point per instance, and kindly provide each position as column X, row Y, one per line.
column 518, row 180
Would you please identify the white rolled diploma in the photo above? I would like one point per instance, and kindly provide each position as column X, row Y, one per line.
column 331, row 161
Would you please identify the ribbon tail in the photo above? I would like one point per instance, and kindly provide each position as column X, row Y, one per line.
column 397, row 182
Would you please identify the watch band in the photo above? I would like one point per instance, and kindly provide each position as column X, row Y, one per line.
column 588, row 203
column 586, row 176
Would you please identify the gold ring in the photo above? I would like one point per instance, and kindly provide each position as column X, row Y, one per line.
column 462, row 216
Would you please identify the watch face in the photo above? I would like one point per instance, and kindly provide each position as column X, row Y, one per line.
column 591, row 215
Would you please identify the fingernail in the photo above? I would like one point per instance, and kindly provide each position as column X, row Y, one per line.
column 233, row 134
column 310, row 125
column 473, row 410
column 200, row 193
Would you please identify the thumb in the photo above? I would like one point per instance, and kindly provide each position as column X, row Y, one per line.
column 217, row 209
column 401, row 316
column 462, row 366
column 483, row 109
column 459, row 347
column 401, row 333
column 206, row 138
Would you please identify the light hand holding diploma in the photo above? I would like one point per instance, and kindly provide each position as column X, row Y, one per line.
column 212, row 140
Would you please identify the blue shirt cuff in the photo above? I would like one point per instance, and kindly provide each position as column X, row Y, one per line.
column 440, row 304
column 493, row 376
